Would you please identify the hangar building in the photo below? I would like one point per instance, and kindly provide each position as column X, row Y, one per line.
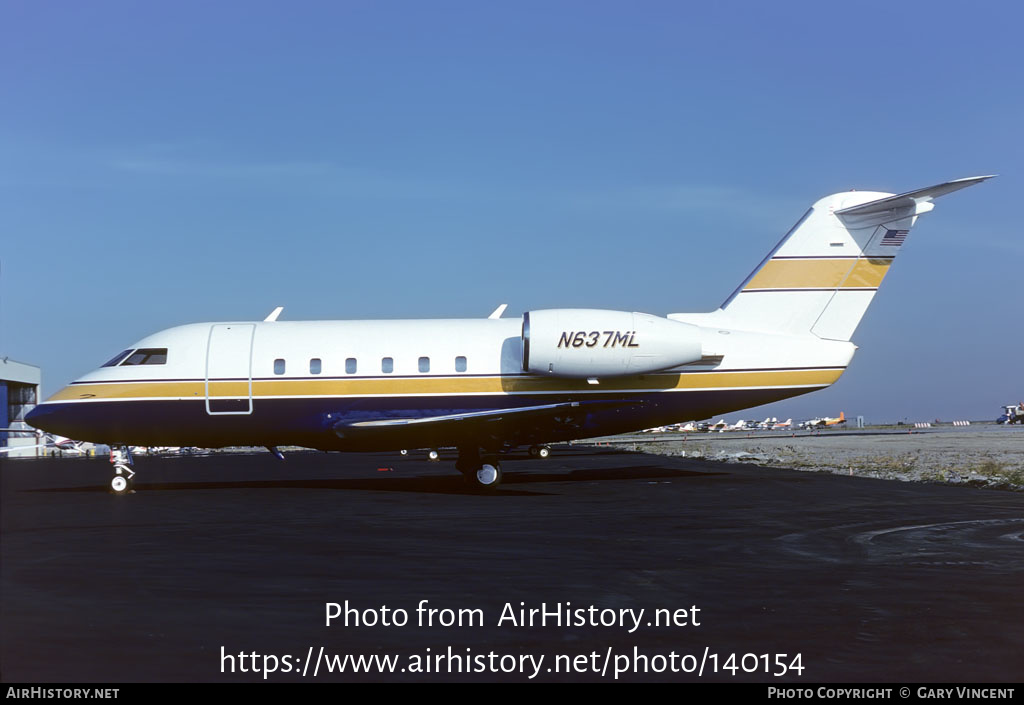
column 19, row 393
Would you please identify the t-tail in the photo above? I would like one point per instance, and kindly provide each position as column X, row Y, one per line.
column 823, row 274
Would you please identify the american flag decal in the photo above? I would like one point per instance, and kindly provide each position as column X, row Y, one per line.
column 894, row 238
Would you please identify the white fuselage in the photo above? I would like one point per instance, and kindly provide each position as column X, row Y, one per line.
column 315, row 383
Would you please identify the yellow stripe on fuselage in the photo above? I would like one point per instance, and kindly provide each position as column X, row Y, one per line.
column 814, row 273
column 441, row 386
column 133, row 390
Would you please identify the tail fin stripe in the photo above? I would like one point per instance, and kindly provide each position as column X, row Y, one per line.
column 832, row 257
column 811, row 288
column 846, row 273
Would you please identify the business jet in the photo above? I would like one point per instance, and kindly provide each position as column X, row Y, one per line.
column 487, row 385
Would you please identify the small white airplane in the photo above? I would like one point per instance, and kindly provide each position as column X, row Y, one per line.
column 835, row 421
column 826, row 421
column 155, row 450
column 486, row 385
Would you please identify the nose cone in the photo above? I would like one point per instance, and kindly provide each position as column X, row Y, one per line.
column 41, row 417
column 63, row 419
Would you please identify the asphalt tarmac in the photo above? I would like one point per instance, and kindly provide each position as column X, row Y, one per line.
column 219, row 556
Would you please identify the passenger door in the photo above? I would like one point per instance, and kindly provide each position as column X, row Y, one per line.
column 229, row 368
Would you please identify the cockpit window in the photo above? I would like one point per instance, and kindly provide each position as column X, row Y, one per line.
column 112, row 362
column 147, row 356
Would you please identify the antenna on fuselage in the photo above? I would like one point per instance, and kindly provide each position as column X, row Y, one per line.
column 274, row 314
column 498, row 311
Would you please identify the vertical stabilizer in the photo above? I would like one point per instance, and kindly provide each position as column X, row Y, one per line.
column 824, row 273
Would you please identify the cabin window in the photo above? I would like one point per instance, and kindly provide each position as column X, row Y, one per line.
column 314, row 366
column 114, row 361
column 279, row 366
column 387, row 365
column 460, row 363
column 350, row 366
column 424, row 364
column 147, row 356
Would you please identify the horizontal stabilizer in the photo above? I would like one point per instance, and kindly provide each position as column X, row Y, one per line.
column 912, row 198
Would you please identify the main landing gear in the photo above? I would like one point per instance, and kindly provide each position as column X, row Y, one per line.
column 541, row 452
column 482, row 472
column 122, row 481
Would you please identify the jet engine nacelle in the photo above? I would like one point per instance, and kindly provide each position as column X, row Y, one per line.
column 587, row 343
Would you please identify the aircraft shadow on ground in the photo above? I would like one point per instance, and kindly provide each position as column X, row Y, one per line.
column 453, row 484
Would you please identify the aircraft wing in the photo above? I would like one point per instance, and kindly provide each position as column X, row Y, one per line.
column 514, row 426
column 522, row 412
column 7, row 449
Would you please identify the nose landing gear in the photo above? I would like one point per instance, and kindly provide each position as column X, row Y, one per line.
column 121, row 459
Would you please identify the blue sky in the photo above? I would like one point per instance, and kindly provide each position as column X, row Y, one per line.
column 180, row 162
